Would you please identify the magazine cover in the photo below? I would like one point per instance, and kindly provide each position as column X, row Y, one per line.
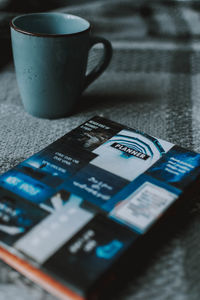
column 83, row 201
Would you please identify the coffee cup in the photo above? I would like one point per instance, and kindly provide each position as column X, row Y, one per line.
column 50, row 53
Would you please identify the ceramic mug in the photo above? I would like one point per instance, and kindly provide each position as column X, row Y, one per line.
column 50, row 53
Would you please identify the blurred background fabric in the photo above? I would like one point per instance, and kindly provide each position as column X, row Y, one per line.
column 152, row 84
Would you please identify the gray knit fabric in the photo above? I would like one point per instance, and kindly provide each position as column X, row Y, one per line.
column 152, row 84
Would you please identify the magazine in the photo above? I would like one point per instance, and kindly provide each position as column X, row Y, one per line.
column 71, row 211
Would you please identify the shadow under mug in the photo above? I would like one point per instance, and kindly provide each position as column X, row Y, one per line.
column 50, row 53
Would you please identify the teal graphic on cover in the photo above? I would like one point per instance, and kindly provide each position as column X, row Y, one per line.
column 129, row 153
column 109, row 250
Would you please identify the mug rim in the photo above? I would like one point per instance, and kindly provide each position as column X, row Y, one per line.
column 15, row 27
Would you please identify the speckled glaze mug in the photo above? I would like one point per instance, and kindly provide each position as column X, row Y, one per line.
column 50, row 53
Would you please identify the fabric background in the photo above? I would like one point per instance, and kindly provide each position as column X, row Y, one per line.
column 152, row 84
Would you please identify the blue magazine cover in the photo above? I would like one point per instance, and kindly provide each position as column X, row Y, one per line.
column 80, row 203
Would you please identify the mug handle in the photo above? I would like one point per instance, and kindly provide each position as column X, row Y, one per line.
column 104, row 62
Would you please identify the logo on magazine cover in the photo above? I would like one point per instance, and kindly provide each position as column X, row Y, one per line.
column 130, row 151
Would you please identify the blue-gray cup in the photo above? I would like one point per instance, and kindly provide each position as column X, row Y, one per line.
column 50, row 53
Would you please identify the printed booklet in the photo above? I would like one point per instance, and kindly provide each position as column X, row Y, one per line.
column 70, row 212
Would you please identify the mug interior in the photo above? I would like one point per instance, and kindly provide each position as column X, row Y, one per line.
column 50, row 24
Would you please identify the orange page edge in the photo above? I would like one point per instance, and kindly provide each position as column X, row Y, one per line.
column 39, row 277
